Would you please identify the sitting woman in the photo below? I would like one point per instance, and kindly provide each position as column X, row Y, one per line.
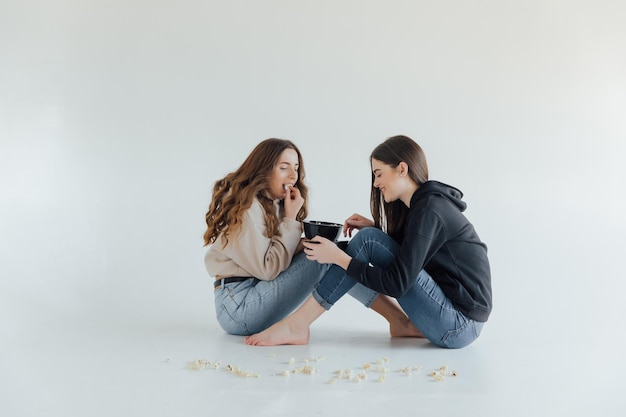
column 431, row 258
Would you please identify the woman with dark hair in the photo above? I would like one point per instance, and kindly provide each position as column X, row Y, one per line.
column 420, row 249
column 254, row 228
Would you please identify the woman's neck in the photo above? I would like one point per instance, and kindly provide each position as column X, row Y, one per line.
column 408, row 193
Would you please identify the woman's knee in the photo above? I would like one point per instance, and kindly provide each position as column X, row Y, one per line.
column 367, row 233
column 372, row 245
column 364, row 236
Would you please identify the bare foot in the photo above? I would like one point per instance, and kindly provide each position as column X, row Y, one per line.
column 404, row 328
column 281, row 333
column 399, row 323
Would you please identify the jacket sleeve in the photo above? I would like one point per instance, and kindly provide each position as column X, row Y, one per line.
column 424, row 236
column 262, row 257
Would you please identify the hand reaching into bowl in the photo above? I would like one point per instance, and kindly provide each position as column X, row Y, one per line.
column 356, row 221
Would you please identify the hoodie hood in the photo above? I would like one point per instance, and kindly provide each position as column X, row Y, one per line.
column 454, row 195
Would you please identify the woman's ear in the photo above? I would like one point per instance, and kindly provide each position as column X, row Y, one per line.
column 403, row 169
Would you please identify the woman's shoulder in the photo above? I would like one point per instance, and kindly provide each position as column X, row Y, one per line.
column 256, row 210
column 255, row 206
column 437, row 195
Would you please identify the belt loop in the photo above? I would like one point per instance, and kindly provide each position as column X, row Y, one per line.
column 219, row 284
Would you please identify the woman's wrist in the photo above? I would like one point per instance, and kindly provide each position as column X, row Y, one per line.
column 343, row 259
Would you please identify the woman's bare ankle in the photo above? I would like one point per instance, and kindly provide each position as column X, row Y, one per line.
column 404, row 328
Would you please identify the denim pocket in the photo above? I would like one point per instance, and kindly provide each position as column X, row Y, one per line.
column 478, row 327
column 455, row 338
column 226, row 310
column 462, row 336
column 229, row 324
column 237, row 291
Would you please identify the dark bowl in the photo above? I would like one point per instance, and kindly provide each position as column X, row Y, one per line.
column 330, row 231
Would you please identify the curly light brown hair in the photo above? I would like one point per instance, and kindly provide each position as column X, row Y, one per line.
column 234, row 194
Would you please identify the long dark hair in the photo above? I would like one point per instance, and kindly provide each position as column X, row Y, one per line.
column 390, row 217
column 233, row 194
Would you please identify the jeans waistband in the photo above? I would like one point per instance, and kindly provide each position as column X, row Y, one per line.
column 223, row 281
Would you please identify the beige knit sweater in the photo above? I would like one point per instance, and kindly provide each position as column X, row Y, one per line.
column 250, row 253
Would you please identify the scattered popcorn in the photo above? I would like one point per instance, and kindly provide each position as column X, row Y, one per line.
column 199, row 364
column 307, row 369
column 344, row 374
column 442, row 373
column 406, row 371
column 354, row 376
column 238, row 372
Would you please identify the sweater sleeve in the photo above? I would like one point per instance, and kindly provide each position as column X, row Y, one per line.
column 262, row 257
column 425, row 234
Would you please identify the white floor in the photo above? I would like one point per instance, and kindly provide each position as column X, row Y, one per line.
column 133, row 363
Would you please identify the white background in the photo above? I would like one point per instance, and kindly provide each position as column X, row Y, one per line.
column 116, row 117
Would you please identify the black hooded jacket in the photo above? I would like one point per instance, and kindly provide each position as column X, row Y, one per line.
column 439, row 239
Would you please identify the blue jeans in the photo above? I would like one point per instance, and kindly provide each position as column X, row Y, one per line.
column 247, row 307
column 425, row 303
